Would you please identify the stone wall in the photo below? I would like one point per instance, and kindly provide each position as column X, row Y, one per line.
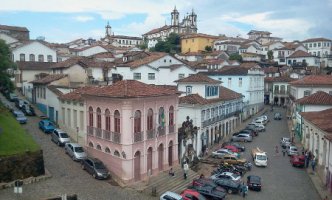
column 29, row 164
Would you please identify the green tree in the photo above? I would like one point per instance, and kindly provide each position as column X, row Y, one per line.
column 170, row 45
column 5, row 64
column 270, row 55
column 144, row 45
column 208, row 48
column 235, row 56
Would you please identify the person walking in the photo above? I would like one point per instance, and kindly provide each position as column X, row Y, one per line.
column 306, row 159
column 277, row 150
column 185, row 169
column 313, row 163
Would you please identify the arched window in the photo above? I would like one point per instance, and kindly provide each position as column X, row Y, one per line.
column 22, row 57
column 107, row 150
column 91, row 116
column 40, row 58
column 137, row 122
column 98, row 118
column 150, row 120
column 117, row 121
column 116, row 153
column 98, row 147
column 107, row 120
column 32, row 58
column 171, row 116
column 90, row 144
column 161, row 118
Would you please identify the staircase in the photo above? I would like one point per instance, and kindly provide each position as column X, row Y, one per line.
column 163, row 182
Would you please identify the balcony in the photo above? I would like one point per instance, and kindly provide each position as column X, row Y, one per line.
column 171, row 128
column 161, row 131
column 138, row 137
column 107, row 135
column 150, row 134
column 220, row 118
column 98, row 132
column 116, row 137
column 90, row 130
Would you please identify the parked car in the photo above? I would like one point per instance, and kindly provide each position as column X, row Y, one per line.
column 95, row 167
column 297, row 160
column 292, row 150
column 252, row 133
column 230, row 159
column 206, row 182
column 226, row 175
column 12, row 97
column 189, row 194
column 210, row 192
column 285, row 141
column 232, row 148
column 260, row 128
column 232, row 187
column 20, row 117
column 241, row 137
column 28, row 110
column 237, row 145
column 170, row 196
column 60, row 137
column 46, row 126
column 277, row 116
column 20, row 103
column 75, row 151
column 254, row 182
column 222, row 152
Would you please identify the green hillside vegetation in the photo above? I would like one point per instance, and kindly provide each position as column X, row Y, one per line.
column 13, row 138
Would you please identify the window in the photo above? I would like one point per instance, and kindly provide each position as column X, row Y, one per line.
column 91, row 116
column 116, row 153
column 137, row 122
column 150, row 120
column 164, row 60
column 107, row 120
column 188, row 90
column 306, row 93
column 137, row 76
column 171, row 116
column 315, row 44
column 107, row 150
column 310, row 45
column 170, row 60
column 44, row 93
column 98, row 147
column 90, row 144
column 319, row 44
column 240, row 82
column 32, row 57
column 22, row 57
column 40, row 58
column 49, row 58
column 151, row 76
column 161, row 118
column 181, row 76
column 229, row 82
column 98, row 118
column 117, row 121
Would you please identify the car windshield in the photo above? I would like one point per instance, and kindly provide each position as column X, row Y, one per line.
column 261, row 157
column 64, row 135
column 99, row 165
column 255, row 179
column 48, row 124
column 79, row 149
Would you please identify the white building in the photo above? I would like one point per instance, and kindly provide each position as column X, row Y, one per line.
column 281, row 53
column 319, row 47
column 303, row 58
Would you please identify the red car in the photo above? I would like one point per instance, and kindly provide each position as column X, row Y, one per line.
column 232, row 148
column 189, row 194
column 297, row 160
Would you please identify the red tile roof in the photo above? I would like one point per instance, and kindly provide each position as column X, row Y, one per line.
column 318, row 98
column 48, row 79
column 14, row 28
column 300, row 54
column 198, row 78
column 54, row 89
column 193, row 99
column 131, row 89
column 226, row 94
column 321, row 119
column 198, row 35
column 76, row 95
column 148, row 59
column 279, row 79
column 271, row 69
column 317, row 40
column 157, row 30
column 29, row 65
column 313, row 80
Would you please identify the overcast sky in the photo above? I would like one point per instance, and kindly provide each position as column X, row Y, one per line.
column 66, row 20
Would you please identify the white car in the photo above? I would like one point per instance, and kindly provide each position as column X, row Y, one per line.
column 260, row 127
column 75, row 151
column 222, row 152
column 170, row 196
column 226, row 175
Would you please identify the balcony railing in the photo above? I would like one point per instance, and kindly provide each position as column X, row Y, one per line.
column 116, row 137
column 161, row 130
column 106, row 135
column 138, row 137
column 150, row 134
column 98, row 132
column 90, row 130
column 220, row 118
column 171, row 128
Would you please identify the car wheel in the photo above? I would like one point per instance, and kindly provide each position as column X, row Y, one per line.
column 229, row 191
column 94, row 175
column 58, row 143
column 73, row 157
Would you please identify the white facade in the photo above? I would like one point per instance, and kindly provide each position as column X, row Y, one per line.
column 319, row 47
column 299, row 92
column 311, row 61
column 7, row 38
column 91, row 51
column 36, row 50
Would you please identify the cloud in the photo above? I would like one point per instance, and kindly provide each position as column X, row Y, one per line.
column 82, row 18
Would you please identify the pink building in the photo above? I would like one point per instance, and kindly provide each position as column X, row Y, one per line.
column 131, row 128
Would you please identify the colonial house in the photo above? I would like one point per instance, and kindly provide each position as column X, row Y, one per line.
column 215, row 64
column 213, row 111
column 131, row 128
column 248, row 80
column 196, row 42
column 45, row 94
column 320, row 47
column 7, row 38
column 270, row 47
column 282, row 53
column 187, row 25
column 230, row 47
column 252, row 47
column 252, row 57
column 190, row 56
column 317, row 132
column 277, row 90
column 153, row 68
column 303, row 58
column 254, row 34
column 89, row 50
column 271, row 71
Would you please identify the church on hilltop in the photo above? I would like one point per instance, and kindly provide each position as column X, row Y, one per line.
column 186, row 26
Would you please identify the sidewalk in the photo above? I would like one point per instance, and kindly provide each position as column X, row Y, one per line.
column 315, row 178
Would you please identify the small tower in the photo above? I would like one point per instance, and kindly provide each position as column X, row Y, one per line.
column 193, row 18
column 175, row 17
column 108, row 29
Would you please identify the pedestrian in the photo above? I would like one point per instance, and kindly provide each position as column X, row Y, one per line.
column 277, row 150
column 284, row 152
column 171, row 172
column 185, row 169
column 313, row 163
column 244, row 190
column 306, row 159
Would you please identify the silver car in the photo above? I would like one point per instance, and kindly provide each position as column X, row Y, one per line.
column 292, row 150
column 60, row 137
column 75, row 151
column 241, row 137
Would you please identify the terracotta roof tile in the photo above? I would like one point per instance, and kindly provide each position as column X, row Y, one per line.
column 198, row 78
column 29, row 65
column 76, row 95
column 54, row 89
column 271, row 69
column 317, row 40
column 321, row 119
column 48, row 79
column 157, row 30
column 14, row 28
column 198, row 35
column 300, row 53
column 226, row 94
column 312, row 80
column 318, row 98
column 193, row 99
column 131, row 89
column 279, row 79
